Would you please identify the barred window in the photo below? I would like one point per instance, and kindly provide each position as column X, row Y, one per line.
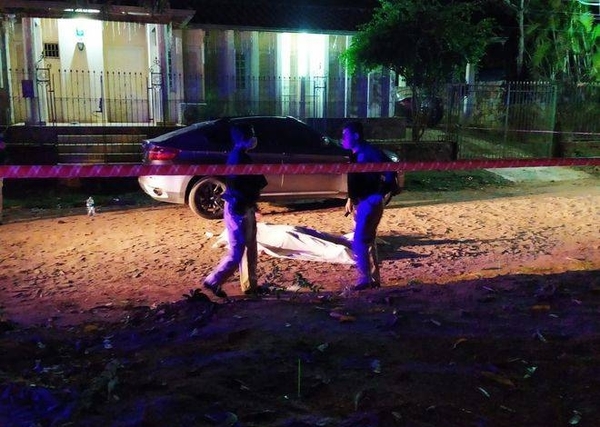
column 51, row 50
column 240, row 71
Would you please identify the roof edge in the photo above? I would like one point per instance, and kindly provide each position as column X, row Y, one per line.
column 55, row 9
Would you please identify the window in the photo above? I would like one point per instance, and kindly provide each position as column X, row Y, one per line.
column 170, row 73
column 240, row 71
column 51, row 50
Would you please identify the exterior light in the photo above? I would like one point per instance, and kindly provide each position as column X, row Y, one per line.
column 79, row 34
column 137, row 13
column 79, row 10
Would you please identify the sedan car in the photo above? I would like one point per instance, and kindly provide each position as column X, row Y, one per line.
column 280, row 140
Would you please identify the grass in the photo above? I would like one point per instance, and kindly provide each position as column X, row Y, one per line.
column 468, row 179
column 70, row 194
column 115, row 192
column 61, row 194
column 498, row 144
column 452, row 180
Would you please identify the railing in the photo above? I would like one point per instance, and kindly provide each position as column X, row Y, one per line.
column 47, row 96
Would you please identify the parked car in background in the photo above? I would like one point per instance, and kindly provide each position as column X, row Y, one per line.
column 432, row 110
column 280, row 140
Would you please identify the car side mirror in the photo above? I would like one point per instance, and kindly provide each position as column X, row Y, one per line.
column 328, row 142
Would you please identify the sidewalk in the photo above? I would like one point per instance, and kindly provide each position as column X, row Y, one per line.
column 544, row 173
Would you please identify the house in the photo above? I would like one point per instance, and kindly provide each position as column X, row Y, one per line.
column 85, row 63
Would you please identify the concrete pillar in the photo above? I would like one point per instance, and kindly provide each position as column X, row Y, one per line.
column 361, row 98
column 386, row 98
column 302, row 98
column 469, row 93
column 225, row 67
column 193, row 65
column 5, row 118
column 29, row 85
column 273, row 71
column 252, row 54
column 162, row 44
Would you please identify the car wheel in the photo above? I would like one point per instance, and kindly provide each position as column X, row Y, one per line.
column 206, row 199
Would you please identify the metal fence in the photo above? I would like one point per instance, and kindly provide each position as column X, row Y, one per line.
column 523, row 119
column 55, row 96
column 483, row 120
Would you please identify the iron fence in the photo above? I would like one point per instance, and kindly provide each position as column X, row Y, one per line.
column 56, row 96
column 483, row 120
column 523, row 119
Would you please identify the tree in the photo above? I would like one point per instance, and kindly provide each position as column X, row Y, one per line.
column 564, row 42
column 520, row 8
column 429, row 43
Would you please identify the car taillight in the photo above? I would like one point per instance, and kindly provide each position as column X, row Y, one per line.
column 162, row 153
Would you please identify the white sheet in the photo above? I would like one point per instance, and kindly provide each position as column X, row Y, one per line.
column 301, row 243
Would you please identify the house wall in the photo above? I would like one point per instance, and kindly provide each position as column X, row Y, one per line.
column 289, row 74
column 269, row 89
column 112, row 72
column 124, row 61
column 5, row 118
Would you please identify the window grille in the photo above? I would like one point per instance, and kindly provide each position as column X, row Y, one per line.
column 240, row 71
column 51, row 50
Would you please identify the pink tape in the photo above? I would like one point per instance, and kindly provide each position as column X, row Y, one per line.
column 122, row 170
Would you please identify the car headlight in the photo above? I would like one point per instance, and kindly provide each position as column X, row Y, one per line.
column 392, row 156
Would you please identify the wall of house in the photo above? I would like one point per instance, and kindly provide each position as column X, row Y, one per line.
column 119, row 72
column 101, row 73
column 5, row 118
column 125, row 63
column 294, row 74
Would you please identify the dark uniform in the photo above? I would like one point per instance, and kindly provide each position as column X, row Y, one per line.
column 366, row 191
column 239, row 214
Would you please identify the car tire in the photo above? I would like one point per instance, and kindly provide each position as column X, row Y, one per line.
column 205, row 198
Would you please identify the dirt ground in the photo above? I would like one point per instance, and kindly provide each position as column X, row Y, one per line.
column 489, row 316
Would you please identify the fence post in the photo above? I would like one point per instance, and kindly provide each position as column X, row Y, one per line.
column 302, row 109
column 508, row 87
column 555, row 142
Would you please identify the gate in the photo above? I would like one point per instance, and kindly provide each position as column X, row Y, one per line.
column 55, row 96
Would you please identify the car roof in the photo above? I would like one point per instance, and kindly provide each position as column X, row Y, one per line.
column 219, row 121
column 182, row 131
column 234, row 119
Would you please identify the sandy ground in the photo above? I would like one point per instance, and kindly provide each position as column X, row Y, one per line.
column 66, row 268
column 488, row 317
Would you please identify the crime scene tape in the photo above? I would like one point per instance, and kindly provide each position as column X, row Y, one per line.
column 108, row 170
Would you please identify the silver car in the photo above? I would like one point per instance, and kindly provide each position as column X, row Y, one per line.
column 280, row 140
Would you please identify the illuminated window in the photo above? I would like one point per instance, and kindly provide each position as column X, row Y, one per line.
column 51, row 50
column 302, row 55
